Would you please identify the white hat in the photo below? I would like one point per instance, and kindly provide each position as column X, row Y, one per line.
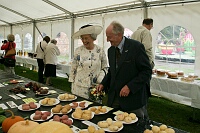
column 90, row 29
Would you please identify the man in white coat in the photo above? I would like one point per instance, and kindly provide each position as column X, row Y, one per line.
column 51, row 61
column 143, row 35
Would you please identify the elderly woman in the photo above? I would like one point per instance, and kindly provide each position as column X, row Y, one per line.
column 51, row 61
column 89, row 61
column 9, row 68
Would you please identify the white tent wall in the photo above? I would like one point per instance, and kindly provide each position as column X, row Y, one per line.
column 186, row 15
column 22, row 31
column 88, row 20
column 43, row 28
column 129, row 19
column 62, row 26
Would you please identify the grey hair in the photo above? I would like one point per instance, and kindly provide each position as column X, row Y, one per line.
column 54, row 41
column 93, row 36
column 11, row 38
column 117, row 28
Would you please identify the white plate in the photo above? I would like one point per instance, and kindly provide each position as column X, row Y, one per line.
column 86, row 130
column 133, row 121
column 83, row 119
column 100, row 112
column 86, row 105
column 107, row 129
column 67, row 99
column 57, row 102
column 20, row 107
column 32, row 115
column 61, row 113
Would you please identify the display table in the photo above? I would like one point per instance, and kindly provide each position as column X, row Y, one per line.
column 4, row 91
column 187, row 93
column 32, row 64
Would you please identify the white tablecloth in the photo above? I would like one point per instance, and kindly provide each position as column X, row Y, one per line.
column 177, row 90
column 65, row 68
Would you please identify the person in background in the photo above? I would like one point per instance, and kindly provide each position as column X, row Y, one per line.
column 7, row 46
column 128, row 74
column 51, row 61
column 41, row 47
column 89, row 61
column 143, row 35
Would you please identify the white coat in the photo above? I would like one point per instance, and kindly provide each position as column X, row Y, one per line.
column 39, row 52
column 51, row 54
column 143, row 35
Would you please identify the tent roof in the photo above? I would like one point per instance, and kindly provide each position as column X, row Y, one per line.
column 18, row 11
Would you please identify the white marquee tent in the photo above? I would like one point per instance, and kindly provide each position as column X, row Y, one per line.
column 54, row 17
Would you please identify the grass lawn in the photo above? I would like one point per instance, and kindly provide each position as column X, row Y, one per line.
column 159, row 109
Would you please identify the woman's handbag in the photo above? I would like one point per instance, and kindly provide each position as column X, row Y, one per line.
column 11, row 51
column 9, row 62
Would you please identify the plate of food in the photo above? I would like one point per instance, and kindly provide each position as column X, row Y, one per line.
column 63, row 119
column 67, row 97
column 61, row 112
column 98, row 110
column 116, row 126
column 81, row 105
column 29, row 107
column 49, row 101
column 127, row 120
column 84, row 115
column 41, row 115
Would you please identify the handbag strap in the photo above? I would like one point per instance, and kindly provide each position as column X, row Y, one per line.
column 41, row 47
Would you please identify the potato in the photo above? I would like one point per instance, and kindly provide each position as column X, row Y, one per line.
column 82, row 104
column 64, row 117
column 64, row 110
column 44, row 117
column 38, row 112
column 33, row 106
column 47, row 113
column 113, row 128
column 91, row 129
column 74, row 104
column 25, row 107
column 56, row 118
column 56, row 110
column 69, row 122
column 37, row 117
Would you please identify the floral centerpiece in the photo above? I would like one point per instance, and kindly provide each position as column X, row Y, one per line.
column 95, row 95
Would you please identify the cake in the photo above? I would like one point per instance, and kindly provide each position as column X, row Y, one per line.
column 160, row 72
column 172, row 75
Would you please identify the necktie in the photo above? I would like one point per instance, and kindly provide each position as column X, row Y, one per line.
column 117, row 54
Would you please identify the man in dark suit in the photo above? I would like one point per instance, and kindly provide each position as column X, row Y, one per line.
column 127, row 78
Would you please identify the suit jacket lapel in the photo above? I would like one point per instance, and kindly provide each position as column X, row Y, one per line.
column 123, row 55
column 112, row 60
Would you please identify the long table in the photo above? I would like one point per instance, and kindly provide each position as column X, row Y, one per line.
column 172, row 89
column 4, row 91
column 187, row 93
column 32, row 63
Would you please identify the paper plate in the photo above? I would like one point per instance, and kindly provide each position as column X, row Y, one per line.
column 56, row 102
column 133, row 121
column 20, row 107
column 32, row 115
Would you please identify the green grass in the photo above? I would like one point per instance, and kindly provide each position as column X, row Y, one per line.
column 159, row 109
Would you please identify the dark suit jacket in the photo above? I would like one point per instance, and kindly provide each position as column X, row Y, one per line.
column 134, row 70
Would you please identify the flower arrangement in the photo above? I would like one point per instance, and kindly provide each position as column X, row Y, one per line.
column 96, row 95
